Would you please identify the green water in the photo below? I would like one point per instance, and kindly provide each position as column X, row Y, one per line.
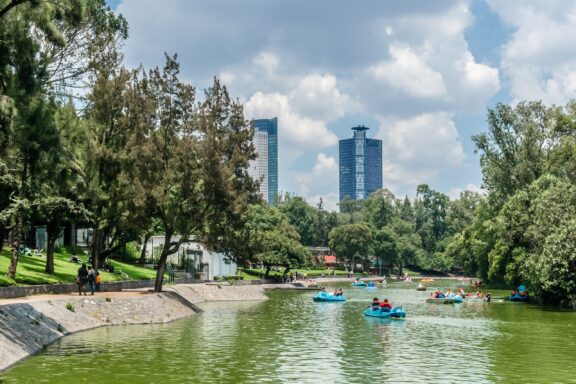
column 291, row 339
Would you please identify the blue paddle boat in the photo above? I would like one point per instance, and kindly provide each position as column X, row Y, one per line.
column 328, row 297
column 385, row 313
column 445, row 300
column 359, row 284
column 520, row 294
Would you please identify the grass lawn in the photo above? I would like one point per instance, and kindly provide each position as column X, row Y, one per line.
column 30, row 270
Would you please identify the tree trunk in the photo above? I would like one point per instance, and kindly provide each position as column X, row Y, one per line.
column 268, row 268
column 2, row 232
column 15, row 247
column 142, row 259
column 98, row 248
column 162, row 262
column 52, row 232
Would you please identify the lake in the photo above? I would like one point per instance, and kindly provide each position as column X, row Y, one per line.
column 291, row 339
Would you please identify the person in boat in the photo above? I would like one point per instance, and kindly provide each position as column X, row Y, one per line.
column 335, row 292
column 420, row 285
column 375, row 303
column 449, row 293
column 514, row 292
column 488, row 297
column 340, row 292
column 385, row 305
column 479, row 294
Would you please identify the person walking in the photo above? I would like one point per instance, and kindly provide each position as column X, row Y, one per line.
column 91, row 279
column 82, row 279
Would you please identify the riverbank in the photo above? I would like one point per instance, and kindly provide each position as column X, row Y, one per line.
column 29, row 324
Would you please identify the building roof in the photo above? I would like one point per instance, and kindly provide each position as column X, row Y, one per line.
column 330, row 259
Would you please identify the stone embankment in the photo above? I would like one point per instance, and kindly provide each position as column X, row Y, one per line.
column 29, row 324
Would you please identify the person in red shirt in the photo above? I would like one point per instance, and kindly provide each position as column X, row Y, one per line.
column 385, row 305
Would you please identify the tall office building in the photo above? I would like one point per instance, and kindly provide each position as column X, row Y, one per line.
column 265, row 167
column 360, row 165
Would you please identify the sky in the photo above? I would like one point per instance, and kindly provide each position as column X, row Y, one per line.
column 420, row 74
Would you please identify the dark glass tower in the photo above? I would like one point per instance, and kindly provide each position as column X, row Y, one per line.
column 271, row 127
column 360, row 165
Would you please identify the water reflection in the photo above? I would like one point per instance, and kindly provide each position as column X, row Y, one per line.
column 291, row 339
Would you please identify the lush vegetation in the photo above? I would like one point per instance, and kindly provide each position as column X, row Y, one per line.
column 134, row 153
column 139, row 151
column 31, row 269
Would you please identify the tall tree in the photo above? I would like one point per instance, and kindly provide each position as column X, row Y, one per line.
column 351, row 241
column 301, row 216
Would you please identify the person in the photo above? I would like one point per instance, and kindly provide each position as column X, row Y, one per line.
column 385, row 306
column 82, row 279
column 91, row 279
column 488, row 297
column 375, row 303
column 340, row 292
column 479, row 294
column 420, row 285
column 75, row 259
column 98, row 280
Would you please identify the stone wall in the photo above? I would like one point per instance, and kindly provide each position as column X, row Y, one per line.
column 113, row 286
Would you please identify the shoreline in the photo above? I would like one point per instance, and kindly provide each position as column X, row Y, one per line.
column 30, row 324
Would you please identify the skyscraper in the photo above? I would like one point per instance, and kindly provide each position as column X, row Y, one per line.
column 266, row 135
column 360, row 165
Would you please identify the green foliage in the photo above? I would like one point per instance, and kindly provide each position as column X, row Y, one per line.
column 351, row 242
column 70, row 307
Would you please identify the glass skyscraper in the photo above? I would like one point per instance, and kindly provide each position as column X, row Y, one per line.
column 360, row 165
column 270, row 127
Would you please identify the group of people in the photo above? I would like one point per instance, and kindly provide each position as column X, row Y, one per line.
column 338, row 292
column 383, row 305
column 460, row 293
column 90, row 276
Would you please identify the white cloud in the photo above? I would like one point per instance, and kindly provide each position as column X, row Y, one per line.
column 318, row 96
column 322, row 177
column 537, row 59
column 295, row 129
column 267, row 61
column 454, row 193
column 408, row 72
column 416, row 150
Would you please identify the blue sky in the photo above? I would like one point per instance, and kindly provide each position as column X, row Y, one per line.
column 421, row 74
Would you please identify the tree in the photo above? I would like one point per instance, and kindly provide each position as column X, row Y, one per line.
column 515, row 150
column 378, row 208
column 44, row 45
column 533, row 240
column 384, row 246
column 351, row 241
column 301, row 216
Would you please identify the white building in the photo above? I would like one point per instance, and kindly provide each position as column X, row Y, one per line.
column 198, row 259
column 258, row 169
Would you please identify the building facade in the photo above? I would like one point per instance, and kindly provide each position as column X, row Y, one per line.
column 266, row 131
column 360, row 161
column 259, row 167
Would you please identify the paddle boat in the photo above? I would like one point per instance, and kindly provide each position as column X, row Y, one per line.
column 359, row 284
column 427, row 280
column 386, row 313
column 371, row 285
column 420, row 287
column 328, row 297
column 519, row 294
column 445, row 300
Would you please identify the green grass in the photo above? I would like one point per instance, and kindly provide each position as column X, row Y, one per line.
column 30, row 270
